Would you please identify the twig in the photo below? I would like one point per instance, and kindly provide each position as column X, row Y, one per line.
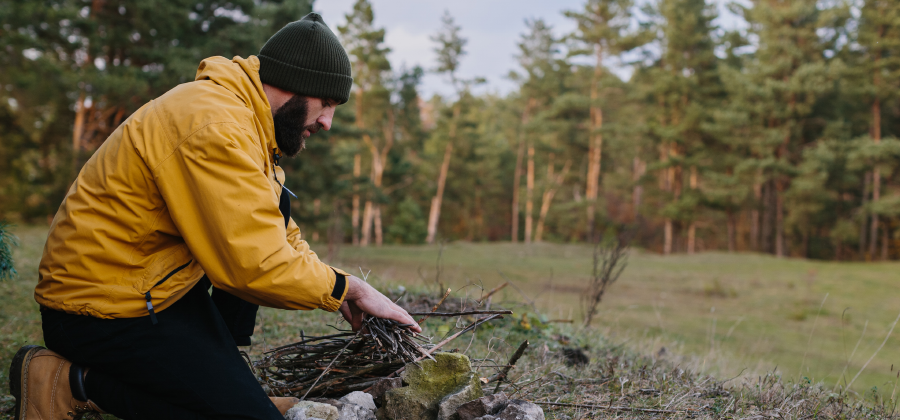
column 427, row 314
column 512, row 362
column 530, row 301
column 447, row 314
column 494, row 290
column 447, row 340
column 330, row 364
column 612, row 408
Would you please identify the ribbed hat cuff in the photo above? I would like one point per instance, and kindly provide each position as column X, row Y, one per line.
column 304, row 82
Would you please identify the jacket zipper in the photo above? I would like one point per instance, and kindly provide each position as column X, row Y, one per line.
column 147, row 295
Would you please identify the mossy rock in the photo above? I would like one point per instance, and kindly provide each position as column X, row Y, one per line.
column 427, row 386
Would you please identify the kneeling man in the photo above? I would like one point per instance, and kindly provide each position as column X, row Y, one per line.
column 186, row 196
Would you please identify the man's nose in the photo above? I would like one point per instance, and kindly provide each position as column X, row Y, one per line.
column 325, row 118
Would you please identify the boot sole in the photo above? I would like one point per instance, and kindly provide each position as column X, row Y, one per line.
column 18, row 373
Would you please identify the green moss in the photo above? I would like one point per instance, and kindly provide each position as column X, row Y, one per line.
column 428, row 383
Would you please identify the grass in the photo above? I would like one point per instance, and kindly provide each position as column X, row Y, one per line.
column 763, row 323
column 740, row 312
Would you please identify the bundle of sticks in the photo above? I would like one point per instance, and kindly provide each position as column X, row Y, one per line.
column 334, row 365
column 340, row 363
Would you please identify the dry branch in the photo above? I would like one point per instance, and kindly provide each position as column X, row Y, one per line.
column 512, row 362
column 449, row 314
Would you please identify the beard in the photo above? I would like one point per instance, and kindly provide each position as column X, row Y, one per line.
column 290, row 126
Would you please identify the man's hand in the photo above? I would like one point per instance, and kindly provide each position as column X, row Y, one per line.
column 363, row 299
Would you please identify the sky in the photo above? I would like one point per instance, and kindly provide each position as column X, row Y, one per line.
column 492, row 27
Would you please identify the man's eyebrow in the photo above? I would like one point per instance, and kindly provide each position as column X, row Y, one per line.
column 327, row 102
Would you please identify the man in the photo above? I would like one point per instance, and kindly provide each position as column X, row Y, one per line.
column 187, row 194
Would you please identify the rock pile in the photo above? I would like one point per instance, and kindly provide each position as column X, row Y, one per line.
column 441, row 389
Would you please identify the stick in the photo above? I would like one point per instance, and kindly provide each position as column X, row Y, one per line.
column 442, row 343
column 329, row 365
column 512, row 362
column 462, row 313
column 611, row 408
column 494, row 290
column 435, row 306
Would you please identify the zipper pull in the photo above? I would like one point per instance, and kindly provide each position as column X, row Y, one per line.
column 150, row 309
column 289, row 191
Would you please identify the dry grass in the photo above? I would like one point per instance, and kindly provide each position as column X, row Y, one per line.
column 698, row 336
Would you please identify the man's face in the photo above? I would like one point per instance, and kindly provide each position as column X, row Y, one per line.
column 299, row 118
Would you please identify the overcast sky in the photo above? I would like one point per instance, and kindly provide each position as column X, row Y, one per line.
column 493, row 27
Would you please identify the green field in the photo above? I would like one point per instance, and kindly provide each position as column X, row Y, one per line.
column 728, row 313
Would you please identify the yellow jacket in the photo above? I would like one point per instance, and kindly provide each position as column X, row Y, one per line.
column 185, row 186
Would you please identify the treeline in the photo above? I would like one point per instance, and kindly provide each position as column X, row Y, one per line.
column 778, row 137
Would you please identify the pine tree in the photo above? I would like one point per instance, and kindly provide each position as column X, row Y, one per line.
column 879, row 36
column 789, row 73
column 374, row 111
column 450, row 49
column 602, row 32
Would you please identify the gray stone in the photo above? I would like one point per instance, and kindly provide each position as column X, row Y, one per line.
column 310, row 410
column 429, row 383
column 521, row 410
column 484, row 406
column 355, row 412
column 382, row 386
column 359, row 398
column 448, row 405
column 488, row 417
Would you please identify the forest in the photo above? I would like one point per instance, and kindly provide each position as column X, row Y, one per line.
column 779, row 137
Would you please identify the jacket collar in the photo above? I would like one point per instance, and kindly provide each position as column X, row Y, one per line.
column 241, row 77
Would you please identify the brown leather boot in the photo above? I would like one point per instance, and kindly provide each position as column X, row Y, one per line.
column 283, row 404
column 48, row 387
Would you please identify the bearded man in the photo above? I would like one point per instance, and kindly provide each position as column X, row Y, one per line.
column 186, row 195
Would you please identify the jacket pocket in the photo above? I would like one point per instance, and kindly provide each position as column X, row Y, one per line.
column 163, row 280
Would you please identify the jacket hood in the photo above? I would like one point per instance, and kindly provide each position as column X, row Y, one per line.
column 241, row 77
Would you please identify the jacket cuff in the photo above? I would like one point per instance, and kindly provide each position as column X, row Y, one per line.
column 334, row 300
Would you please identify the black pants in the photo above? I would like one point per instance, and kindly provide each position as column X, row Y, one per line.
column 187, row 366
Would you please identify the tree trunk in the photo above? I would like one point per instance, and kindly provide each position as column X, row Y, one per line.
column 667, row 181
column 379, row 238
column 335, row 233
column 876, row 175
column 779, row 223
column 867, row 180
column 367, row 224
column 595, row 149
column 517, row 177
column 354, row 215
column 529, row 194
column 372, row 213
column 553, row 185
column 514, row 235
column 732, row 230
column 692, row 229
column 638, row 169
column 754, row 217
column 768, row 218
column 435, row 214
column 884, row 243
column 876, row 137
column 667, row 237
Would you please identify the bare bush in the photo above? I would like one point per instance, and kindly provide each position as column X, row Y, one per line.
column 610, row 259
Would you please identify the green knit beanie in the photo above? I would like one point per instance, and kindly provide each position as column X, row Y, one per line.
column 306, row 58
